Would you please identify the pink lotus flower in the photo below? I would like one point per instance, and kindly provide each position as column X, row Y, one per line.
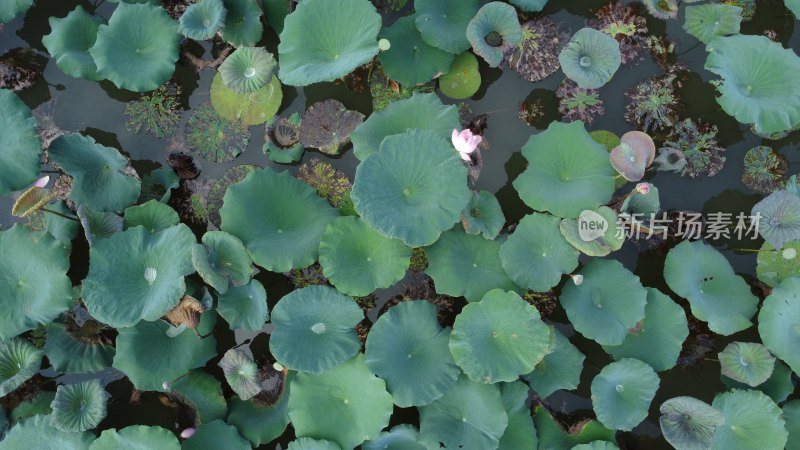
column 187, row 433
column 465, row 142
column 643, row 188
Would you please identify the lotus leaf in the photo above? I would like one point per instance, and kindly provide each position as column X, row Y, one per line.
column 530, row 5
column 98, row 225
column 202, row 20
column 69, row 43
column 253, row 108
column 778, row 319
column 622, row 392
column 747, row 362
column 791, row 414
column 643, row 204
column 327, row 126
column 779, row 220
column 778, row 386
column 688, row 423
column 257, row 422
column 483, row 215
column 39, row 405
column 590, row 58
column 19, row 361
column 752, row 420
column 242, row 26
column 345, row 37
column 244, row 307
column 413, row 189
column 306, row 443
column 705, row 22
column 346, row 404
column 241, row 373
column 401, row 437
column 215, row 435
column 662, row 9
column 11, row 8
column 443, row 23
column 38, row 432
column 453, row 419
column 63, row 229
column 216, row 194
column 276, row 12
column 702, row 275
column 553, row 436
column 567, row 172
column 222, row 261
column 633, row 155
column 764, row 170
column 247, row 69
column 411, row 60
column 611, row 240
column 139, row 437
column 493, row 31
column 596, row 445
column 282, row 139
column 463, row 79
column 159, row 184
column 79, row 407
column 19, row 164
column 152, row 215
column 408, row 349
column 775, row 266
column 560, row 369
column 77, row 350
column 520, row 432
column 202, row 393
column 279, row 219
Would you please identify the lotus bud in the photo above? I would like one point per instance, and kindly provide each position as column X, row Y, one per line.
column 42, row 182
column 384, row 44
column 187, row 433
column 465, row 142
column 577, row 279
column 643, row 188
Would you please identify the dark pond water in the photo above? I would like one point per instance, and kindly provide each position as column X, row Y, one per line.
column 97, row 109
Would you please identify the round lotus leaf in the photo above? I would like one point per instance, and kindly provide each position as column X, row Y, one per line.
column 135, row 275
column 216, row 435
column 780, row 218
column 608, row 303
column 483, row 215
column 327, row 126
column 409, row 350
column 702, row 275
column 153, row 216
column 443, row 23
column 19, row 361
column 282, row 139
column 401, row 437
column 421, row 111
column 244, row 307
column 79, row 407
column 315, row 329
column 253, row 108
column 63, row 229
column 19, row 163
column 778, row 322
column 596, row 445
column 560, row 369
column 705, row 22
column 633, row 155
column 358, row 260
column 791, row 414
column 98, row 225
column 242, row 26
column 148, row 369
column 590, row 58
column 536, row 255
column 257, row 422
column 410, row 60
column 139, row 437
column 202, row 393
column 279, row 219
column 622, row 392
column 552, row 435
column 593, row 242
column 463, row 79
column 529, row 5
column 138, row 48
column 345, row 36
column 757, row 81
column 746, row 362
column 346, row 404
column 778, row 386
column 101, row 176
column 305, row 443
column 568, row 171
column 493, row 31
column 11, row 8
column 775, row 266
column 464, row 265
column 77, row 350
column 202, row 20
column 69, row 41
column 241, row 373
column 38, row 432
column 413, row 189
column 688, row 423
column 222, row 261
column 520, row 432
column 455, row 421
column 247, row 69
column 644, row 204
column 752, row 420
column 658, row 338
column 499, row 338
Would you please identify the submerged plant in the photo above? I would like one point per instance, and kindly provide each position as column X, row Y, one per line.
column 216, row 193
column 214, row 138
column 327, row 126
column 576, row 103
column 156, row 113
column 652, row 104
column 623, row 24
column 536, row 56
column 329, row 182
column 698, row 145
column 764, row 170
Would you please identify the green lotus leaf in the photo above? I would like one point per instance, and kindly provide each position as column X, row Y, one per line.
column 152, row 215
column 658, row 338
column 39, row 405
column 553, row 436
column 529, row 5
column 345, row 36
column 242, row 26
column 408, row 349
column 793, row 6
column 568, row 171
column 69, row 41
column 483, row 215
column 314, row 329
column 590, row 58
column 520, row 432
column 644, row 204
column 465, row 265
column 752, row 420
column 248, row 109
column 282, row 139
column 443, row 23
column 778, row 386
column 401, row 437
column 276, row 12
column 688, row 423
column 791, row 414
column 346, row 404
column 609, row 302
column 596, row 445
column 611, row 240
column 358, row 260
column 222, row 261
column 279, row 219
column 757, row 83
column 413, row 189
column 779, row 220
column 12, row 8
column 257, row 422
column 215, row 435
column 455, row 421
column 305, row 443
column 775, row 266
column 622, row 392
column 158, row 184
column 410, row 60
column 421, row 111
column 560, row 369
column 38, row 432
column 535, row 256
column 244, row 307
column 778, row 322
column 33, row 278
column 241, row 373
column 79, row 407
column 705, row 22
column 148, row 369
column 499, row 338
column 493, row 31
column 101, row 177
column 138, row 48
column 63, row 229
column 247, row 69
column 202, row 20
column 463, row 79
column 702, row 275
column 663, row 9
column 136, row 275
column 746, row 362
column 19, row 361
column 202, row 393
column 139, row 437
column 76, row 350
column 19, row 164
column 98, row 225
